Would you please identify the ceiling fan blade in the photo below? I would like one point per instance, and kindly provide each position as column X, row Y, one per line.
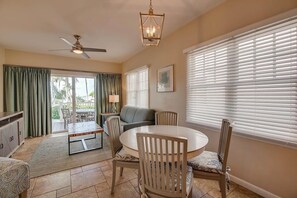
column 85, row 55
column 66, row 41
column 52, row 50
column 87, row 49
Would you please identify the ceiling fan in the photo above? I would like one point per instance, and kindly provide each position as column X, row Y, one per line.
column 78, row 48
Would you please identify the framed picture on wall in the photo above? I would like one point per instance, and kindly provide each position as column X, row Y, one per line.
column 165, row 79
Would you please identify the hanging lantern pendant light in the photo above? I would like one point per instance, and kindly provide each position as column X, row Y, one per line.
column 151, row 27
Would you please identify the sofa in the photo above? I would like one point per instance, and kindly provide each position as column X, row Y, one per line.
column 14, row 178
column 132, row 117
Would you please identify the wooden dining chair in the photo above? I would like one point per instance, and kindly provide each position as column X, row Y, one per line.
column 120, row 157
column 166, row 118
column 212, row 165
column 162, row 173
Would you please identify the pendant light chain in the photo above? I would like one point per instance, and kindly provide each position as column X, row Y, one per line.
column 151, row 11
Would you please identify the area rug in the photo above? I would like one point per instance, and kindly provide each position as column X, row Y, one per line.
column 52, row 156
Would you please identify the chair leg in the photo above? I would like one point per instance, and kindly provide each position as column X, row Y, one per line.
column 138, row 179
column 223, row 186
column 114, row 169
column 23, row 194
column 121, row 171
column 191, row 193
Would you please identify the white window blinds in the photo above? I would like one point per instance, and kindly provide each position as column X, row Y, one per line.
column 137, row 88
column 251, row 79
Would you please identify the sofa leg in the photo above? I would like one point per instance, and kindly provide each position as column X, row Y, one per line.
column 23, row 194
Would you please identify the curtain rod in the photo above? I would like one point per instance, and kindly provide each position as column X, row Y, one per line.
column 52, row 68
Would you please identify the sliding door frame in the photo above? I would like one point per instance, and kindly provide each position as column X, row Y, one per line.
column 74, row 75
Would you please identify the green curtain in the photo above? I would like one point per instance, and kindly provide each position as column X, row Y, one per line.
column 28, row 89
column 105, row 85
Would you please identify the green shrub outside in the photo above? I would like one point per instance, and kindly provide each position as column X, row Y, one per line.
column 55, row 113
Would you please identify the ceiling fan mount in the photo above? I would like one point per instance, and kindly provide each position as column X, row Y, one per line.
column 77, row 37
column 77, row 43
column 78, row 48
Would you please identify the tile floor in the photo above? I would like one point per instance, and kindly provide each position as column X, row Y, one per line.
column 94, row 180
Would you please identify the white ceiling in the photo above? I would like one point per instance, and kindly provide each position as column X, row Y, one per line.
column 36, row 25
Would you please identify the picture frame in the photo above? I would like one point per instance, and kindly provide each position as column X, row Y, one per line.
column 165, row 79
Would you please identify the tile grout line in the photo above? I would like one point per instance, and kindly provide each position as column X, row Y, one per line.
column 66, row 187
column 33, row 188
column 86, row 186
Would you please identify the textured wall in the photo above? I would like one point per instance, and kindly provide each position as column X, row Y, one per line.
column 263, row 164
column 2, row 61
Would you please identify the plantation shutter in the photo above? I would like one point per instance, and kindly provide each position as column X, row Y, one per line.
column 251, row 79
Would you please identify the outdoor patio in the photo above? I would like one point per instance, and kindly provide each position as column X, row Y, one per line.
column 58, row 126
column 82, row 115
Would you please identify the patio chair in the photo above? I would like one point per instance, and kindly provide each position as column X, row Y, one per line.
column 162, row 173
column 120, row 157
column 66, row 116
column 91, row 116
column 166, row 118
column 212, row 165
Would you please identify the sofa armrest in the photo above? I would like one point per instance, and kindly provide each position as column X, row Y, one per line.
column 104, row 117
column 137, row 124
column 14, row 177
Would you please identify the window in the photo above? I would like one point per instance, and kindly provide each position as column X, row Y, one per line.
column 137, row 88
column 251, row 79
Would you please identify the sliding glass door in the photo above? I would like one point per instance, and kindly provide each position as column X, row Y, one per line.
column 84, row 100
column 73, row 100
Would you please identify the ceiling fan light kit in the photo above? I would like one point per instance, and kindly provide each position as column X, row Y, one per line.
column 77, row 51
column 151, row 27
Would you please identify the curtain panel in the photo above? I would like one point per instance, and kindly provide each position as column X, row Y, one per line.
column 28, row 89
column 105, row 85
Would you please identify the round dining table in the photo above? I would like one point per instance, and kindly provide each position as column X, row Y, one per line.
column 196, row 139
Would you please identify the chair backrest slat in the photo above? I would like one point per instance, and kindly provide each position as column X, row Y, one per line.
column 166, row 118
column 158, row 169
column 162, row 186
column 147, row 173
column 163, row 164
column 178, row 165
column 167, row 167
column 225, row 137
column 114, row 129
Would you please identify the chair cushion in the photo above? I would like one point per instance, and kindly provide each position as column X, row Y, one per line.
column 14, row 177
column 121, row 155
column 208, row 161
column 189, row 180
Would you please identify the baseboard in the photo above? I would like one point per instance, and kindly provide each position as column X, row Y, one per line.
column 252, row 187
